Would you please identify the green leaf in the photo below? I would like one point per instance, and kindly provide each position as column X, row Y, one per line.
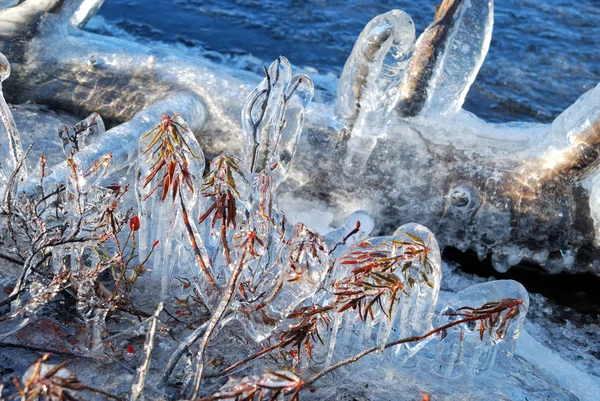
column 416, row 239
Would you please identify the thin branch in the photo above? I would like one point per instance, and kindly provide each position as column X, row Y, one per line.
column 214, row 321
column 138, row 386
column 183, row 347
column 472, row 318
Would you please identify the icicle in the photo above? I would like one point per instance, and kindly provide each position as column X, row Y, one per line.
column 422, row 274
column 481, row 349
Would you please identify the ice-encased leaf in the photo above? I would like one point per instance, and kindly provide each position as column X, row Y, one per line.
column 386, row 289
column 169, row 171
column 416, row 308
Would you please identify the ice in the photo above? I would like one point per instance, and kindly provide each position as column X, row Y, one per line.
column 225, row 196
column 11, row 151
column 85, row 202
column 356, row 228
column 480, row 350
column 374, row 69
column 120, row 141
column 169, row 169
column 289, row 279
column 76, row 139
column 416, row 309
column 580, row 120
column 478, row 191
column 388, row 288
column 272, row 119
column 370, row 82
column 447, row 58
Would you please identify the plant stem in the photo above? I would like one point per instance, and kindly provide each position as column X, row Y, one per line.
column 138, row 387
column 180, row 350
column 214, row 321
column 392, row 344
column 192, row 237
column 251, row 358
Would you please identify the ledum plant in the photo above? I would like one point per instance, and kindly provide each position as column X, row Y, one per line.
column 260, row 257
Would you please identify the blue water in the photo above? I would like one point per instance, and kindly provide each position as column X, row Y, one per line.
column 544, row 53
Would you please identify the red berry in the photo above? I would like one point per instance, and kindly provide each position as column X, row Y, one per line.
column 134, row 223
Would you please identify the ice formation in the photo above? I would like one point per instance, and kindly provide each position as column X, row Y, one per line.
column 473, row 349
column 219, row 241
column 10, row 148
column 170, row 164
column 405, row 269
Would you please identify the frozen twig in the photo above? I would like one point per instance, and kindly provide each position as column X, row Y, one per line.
column 216, row 318
column 138, row 386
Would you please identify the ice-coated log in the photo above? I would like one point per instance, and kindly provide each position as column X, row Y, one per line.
column 121, row 141
column 10, row 140
column 580, row 122
column 576, row 143
column 18, row 19
column 374, row 69
column 272, row 119
column 79, row 12
column 482, row 350
column 447, row 58
column 574, row 153
column 169, row 173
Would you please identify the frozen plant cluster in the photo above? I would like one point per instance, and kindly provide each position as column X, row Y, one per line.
column 313, row 304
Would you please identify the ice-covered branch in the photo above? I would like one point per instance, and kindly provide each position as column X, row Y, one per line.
column 120, row 141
